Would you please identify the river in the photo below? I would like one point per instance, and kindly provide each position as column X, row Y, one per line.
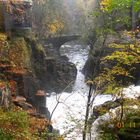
column 70, row 113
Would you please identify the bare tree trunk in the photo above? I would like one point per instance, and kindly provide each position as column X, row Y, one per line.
column 58, row 100
column 87, row 112
column 91, row 97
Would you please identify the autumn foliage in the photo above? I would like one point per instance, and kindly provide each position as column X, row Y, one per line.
column 17, row 124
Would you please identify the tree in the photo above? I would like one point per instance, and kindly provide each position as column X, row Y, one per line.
column 121, row 12
column 109, row 80
column 47, row 18
column 113, row 79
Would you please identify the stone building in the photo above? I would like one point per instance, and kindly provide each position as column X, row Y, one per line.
column 15, row 15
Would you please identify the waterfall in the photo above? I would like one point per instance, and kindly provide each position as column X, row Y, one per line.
column 73, row 105
column 69, row 115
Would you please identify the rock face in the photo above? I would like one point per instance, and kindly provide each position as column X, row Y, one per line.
column 102, row 109
column 60, row 73
column 53, row 72
column 40, row 70
column 96, row 52
column 94, row 64
column 49, row 72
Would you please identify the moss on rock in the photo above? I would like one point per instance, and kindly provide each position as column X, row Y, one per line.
column 20, row 53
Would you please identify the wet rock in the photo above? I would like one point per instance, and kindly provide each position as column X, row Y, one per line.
column 19, row 99
column 60, row 73
column 21, row 102
column 40, row 101
column 104, row 108
column 64, row 57
column 138, row 97
column 44, row 111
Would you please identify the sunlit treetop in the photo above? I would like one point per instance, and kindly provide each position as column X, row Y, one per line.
column 110, row 5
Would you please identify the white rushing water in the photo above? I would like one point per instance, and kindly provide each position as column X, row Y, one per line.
column 69, row 115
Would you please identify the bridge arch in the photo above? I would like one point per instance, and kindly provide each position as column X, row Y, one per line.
column 57, row 42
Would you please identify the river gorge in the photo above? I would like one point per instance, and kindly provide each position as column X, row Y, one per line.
column 70, row 113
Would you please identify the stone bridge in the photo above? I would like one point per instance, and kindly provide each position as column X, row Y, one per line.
column 57, row 42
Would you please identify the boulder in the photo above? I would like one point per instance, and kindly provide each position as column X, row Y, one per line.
column 104, row 108
column 21, row 102
column 44, row 111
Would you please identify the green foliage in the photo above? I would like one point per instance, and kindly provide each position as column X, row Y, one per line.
column 128, row 128
column 117, row 12
column 14, row 124
column 4, row 47
column 19, row 53
column 49, row 14
column 111, row 5
column 122, row 63
column 128, row 55
column 4, row 136
column 16, row 52
column 41, row 49
column 136, row 5
column 117, row 67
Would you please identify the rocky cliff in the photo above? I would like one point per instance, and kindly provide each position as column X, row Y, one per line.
column 35, row 70
column 94, row 64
